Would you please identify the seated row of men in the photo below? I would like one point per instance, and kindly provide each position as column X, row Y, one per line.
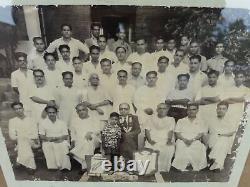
column 178, row 144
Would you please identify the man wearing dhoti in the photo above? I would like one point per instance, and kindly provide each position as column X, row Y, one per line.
column 221, row 136
column 98, row 99
column 122, row 91
column 20, row 79
column 41, row 95
column 85, row 135
column 159, row 135
column 23, row 130
column 67, row 97
column 54, row 135
column 189, row 149
column 146, row 99
column 209, row 96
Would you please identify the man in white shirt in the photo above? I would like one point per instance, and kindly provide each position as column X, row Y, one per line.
column 197, row 79
column 95, row 32
column 80, row 77
column 171, row 46
column 23, row 130
column 146, row 99
column 54, row 136
column 122, row 92
column 180, row 97
column 142, row 56
column 67, row 39
column 52, row 75
column 159, row 135
column 85, row 135
column 189, row 132
column 221, row 136
column 35, row 58
column 135, row 78
column 209, row 96
column 98, row 99
column 40, row 95
column 65, row 63
column 226, row 79
column 104, row 50
column 21, row 79
column 67, row 97
column 108, row 79
column 93, row 66
column 236, row 96
column 159, row 51
column 178, row 67
column 121, row 62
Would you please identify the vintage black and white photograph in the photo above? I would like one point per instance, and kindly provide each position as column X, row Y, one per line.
column 97, row 93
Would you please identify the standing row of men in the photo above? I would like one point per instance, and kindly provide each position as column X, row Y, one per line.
column 161, row 88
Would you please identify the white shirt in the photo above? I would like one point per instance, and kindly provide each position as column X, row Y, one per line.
column 50, row 129
column 74, row 45
column 190, row 129
column 22, row 128
column 118, row 66
column 36, row 60
column 80, row 81
column 53, row 78
column 108, row 54
column 62, row 66
column 177, row 94
column 197, row 81
column 90, row 68
column 108, row 82
column 208, row 91
column 22, row 81
column 181, row 69
column 137, row 82
column 225, row 81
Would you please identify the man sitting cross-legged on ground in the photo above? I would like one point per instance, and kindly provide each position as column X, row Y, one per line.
column 189, row 148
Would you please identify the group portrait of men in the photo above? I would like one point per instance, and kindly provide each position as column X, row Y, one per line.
column 117, row 101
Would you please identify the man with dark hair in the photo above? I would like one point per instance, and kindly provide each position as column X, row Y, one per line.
column 141, row 55
column 189, row 133
column 52, row 75
column 35, row 57
column 236, row 96
column 67, row 39
column 67, row 97
column 80, row 77
column 180, row 97
column 23, row 130
column 121, row 62
column 135, row 78
column 171, row 46
column 41, row 95
column 217, row 62
column 104, row 50
column 65, row 63
column 122, row 92
column 226, row 79
column 209, row 95
column 21, row 79
column 221, row 136
column 95, row 32
column 93, row 65
column 198, row 79
column 54, row 136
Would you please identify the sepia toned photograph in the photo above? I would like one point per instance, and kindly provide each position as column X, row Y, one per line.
column 97, row 93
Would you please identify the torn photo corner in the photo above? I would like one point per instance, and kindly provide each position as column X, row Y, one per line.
column 110, row 93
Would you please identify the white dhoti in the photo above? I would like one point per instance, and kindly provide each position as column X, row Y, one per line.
column 166, row 153
column 195, row 154
column 25, row 155
column 56, row 155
